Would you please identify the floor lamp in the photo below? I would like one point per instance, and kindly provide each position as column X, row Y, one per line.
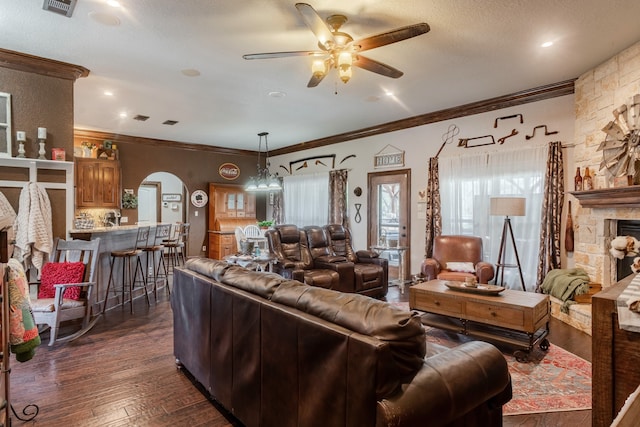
column 508, row 206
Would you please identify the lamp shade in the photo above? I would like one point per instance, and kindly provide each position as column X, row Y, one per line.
column 508, row 206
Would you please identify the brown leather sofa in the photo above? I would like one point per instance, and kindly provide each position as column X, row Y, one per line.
column 452, row 254
column 289, row 245
column 371, row 273
column 323, row 257
column 277, row 352
column 309, row 256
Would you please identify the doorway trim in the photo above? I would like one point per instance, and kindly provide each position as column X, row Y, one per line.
column 404, row 236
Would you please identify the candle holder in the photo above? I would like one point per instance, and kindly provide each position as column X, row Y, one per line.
column 42, row 151
column 21, row 138
column 42, row 137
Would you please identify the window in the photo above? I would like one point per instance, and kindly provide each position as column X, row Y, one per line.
column 306, row 199
column 466, row 185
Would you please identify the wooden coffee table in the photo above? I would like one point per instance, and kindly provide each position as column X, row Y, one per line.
column 516, row 318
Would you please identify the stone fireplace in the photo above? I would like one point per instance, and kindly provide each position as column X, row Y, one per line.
column 625, row 227
column 597, row 94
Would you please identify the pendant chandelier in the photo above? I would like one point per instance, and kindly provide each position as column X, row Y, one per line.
column 264, row 180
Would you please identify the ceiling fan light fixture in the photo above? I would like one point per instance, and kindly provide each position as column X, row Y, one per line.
column 345, row 73
column 318, row 68
column 345, row 59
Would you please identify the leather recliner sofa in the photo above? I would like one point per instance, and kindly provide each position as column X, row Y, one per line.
column 277, row 352
column 371, row 273
column 289, row 245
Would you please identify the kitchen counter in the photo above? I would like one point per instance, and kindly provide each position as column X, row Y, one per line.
column 112, row 239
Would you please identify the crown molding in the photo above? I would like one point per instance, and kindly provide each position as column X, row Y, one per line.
column 540, row 93
column 47, row 67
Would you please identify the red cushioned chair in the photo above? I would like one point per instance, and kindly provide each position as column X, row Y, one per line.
column 71, row 299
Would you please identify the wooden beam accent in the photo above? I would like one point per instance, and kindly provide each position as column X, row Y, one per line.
column 523, row 97
column 47, row 67
column 99, row 137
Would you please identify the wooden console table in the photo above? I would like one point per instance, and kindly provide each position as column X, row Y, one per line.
column 614, row 354
column 516, row 318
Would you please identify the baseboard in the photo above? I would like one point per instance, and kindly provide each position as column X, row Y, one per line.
column 579, row 315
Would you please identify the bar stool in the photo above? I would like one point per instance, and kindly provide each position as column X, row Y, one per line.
column 176, row 254
column 158, row 269
column 126, row 257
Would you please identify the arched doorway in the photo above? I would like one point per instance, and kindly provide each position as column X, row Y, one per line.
column 162, row 197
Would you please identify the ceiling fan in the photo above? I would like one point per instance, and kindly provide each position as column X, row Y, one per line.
column 339, row 50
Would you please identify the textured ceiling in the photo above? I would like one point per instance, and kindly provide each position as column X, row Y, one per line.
column 474, row 51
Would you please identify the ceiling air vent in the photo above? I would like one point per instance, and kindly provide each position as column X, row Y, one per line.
column 62, row 7
column 170, row 122
column 140, row 117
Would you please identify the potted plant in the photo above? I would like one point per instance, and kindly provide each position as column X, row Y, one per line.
column 265, row 224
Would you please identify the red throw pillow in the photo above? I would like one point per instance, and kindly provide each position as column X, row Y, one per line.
column 59, row 273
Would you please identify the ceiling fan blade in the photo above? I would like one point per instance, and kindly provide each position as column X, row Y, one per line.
column 316, row 24
column 376, row 67
column 315, row 80
column 269, row 55
column 389, row 37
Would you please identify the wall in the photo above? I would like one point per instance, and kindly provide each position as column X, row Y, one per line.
column 421, row 143
column 196, row 166
column 39, row 100
column 597, row 93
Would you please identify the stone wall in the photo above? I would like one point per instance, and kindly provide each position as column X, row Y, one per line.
column 597, row 93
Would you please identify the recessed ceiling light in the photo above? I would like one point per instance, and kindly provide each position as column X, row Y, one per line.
column 277, row 94
column 546, row 44
column 113, row 3
column 108, row 93
column 190, row 72
column 105, row 18
column 123, row 115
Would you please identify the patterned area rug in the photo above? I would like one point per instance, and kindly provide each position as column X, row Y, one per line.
column 552, row 381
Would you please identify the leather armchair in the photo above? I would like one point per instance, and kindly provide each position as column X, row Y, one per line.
column 371, row 272
column 324, row 258
column 451, row 250
column 289, row 245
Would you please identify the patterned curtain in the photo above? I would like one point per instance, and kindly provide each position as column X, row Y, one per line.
column 278, row 207
column 338, row 197
column 550, row 224
column 434, row 217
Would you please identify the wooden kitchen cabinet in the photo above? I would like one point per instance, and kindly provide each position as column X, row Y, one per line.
column 230, row 201
column 229, row 207
column 98, row 183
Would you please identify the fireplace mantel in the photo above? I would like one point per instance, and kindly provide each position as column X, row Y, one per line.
column 619, row 197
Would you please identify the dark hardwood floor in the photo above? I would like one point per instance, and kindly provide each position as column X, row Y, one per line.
column 122, row 373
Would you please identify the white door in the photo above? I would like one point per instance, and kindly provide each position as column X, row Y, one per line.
column 147, row 203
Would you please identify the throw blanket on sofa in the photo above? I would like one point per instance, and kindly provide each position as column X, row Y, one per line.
column 564, row 284
column 23, row 331
column 6, row 210
column 34, row 234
